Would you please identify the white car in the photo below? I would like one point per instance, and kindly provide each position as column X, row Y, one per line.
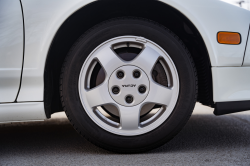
column 127, row 73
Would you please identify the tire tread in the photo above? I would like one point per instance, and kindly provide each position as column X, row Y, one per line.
column 64, row 69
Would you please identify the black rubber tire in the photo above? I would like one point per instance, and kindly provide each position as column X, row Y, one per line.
column 119, row 27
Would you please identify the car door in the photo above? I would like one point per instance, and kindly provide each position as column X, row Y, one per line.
column 11, row 49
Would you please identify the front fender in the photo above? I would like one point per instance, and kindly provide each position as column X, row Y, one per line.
column 44, row 18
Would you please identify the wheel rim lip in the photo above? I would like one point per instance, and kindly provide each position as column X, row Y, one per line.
column 138, row 131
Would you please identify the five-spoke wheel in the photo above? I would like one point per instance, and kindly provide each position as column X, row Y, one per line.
column 128, row 85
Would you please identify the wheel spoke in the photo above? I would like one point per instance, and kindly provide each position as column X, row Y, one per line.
column 99, row 95
column 108, row 59
column 129, row 117
column 146, row 59
column 159, row 94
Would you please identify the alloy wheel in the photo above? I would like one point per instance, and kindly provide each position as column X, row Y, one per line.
column 122, row 94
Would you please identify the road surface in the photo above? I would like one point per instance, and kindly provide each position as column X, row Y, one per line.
column 205, row 140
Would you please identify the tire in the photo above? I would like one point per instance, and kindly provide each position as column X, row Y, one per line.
column 74, row 105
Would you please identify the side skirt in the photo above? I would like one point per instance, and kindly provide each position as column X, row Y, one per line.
column 15, row 112
column 222, row 108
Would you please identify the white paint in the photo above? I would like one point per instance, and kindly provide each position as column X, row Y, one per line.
column 11, row 49
column 231, row 83
column 44, row 18
column 14, row 112
column 245, row 4
column 247, row 53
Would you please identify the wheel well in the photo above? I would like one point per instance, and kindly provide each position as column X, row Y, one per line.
column 95, row 12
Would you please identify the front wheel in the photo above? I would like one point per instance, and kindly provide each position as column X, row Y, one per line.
column 128, row 85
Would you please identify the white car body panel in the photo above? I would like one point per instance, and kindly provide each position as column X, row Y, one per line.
column 231, row 83
column 16, row 112
column 44, row 18
column 11, row 49
column 247, row 54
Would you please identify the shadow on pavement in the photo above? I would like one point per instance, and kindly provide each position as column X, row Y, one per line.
column 203, row 132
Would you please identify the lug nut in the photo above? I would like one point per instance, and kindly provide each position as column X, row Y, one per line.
column 136, row 74
column 129, row 99
column 115, row 90
column 120, row 74
column 142, row 89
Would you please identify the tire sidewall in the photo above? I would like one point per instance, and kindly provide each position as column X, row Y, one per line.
column 122, row 27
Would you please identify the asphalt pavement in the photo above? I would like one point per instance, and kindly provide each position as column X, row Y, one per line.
column 205, row 140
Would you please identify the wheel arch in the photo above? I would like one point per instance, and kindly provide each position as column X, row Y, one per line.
column 79, row 22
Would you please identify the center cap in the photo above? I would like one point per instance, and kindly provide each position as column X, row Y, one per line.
column 128, row 85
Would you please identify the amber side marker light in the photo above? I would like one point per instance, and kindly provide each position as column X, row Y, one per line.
column 228, row 38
